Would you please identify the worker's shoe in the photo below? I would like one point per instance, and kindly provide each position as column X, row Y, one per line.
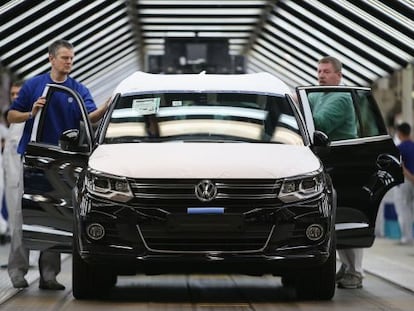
column 51, row 285
column 340, row 273
column 19, row 282
column 350, row 281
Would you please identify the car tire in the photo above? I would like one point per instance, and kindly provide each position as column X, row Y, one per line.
column 288, row 280
column 318, row 283
column 90, row 281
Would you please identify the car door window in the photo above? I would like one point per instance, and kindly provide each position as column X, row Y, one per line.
column 334, row 113
column 370, row 121
column 53, row 119
column 343, row 113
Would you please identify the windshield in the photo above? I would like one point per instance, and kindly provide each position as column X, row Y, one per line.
column 210, row 117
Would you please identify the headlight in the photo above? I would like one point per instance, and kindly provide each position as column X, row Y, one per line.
column 108, row 186
column 302, row 187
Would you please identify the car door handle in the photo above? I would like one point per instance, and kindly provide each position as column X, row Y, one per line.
column 44, row 160
column 37, row 161
column 385, row 161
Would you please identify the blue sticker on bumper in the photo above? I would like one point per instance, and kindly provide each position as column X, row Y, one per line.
column 205, row 210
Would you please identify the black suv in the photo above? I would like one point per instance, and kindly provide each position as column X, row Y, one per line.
column 208, row 174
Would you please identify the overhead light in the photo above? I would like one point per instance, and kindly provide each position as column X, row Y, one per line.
column 323, row 23
column 201, row 11
column 197, row 27
column 9, row 5
column 340, row 17
column 223, row 34
column 152, row 47
column 154, row 41
column 238, row 41
column 198, row 20
column 396, row 34
column 322, row 39
column 200, row 2
column 163, row 34
column 36, row 48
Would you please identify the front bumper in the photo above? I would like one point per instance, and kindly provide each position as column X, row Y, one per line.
column 212, row 263
column 247, row 239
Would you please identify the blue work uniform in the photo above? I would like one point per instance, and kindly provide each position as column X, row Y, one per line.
column 63, row 113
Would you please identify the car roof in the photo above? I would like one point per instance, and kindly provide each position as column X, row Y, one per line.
column 262, row 82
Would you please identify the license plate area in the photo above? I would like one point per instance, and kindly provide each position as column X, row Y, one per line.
column 205, row 223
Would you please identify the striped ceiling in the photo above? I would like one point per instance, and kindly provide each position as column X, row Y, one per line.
column 112, row 39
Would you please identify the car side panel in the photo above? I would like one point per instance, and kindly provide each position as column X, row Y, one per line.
column 357, row 178
column 353, row 169
column 50, row 174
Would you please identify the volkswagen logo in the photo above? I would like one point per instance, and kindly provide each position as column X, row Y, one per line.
column 205, row 190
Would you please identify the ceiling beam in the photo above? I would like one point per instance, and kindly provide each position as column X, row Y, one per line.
column 132, row 12
column 259, row 26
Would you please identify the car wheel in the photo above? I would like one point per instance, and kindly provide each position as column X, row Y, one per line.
column 288, row 280
column 318, row 283
column 89, row 281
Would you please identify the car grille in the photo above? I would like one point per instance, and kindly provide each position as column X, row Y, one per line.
column 253, row 238
column 226, row 189
column 164, row 200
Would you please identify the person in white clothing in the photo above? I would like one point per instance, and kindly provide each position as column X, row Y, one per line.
column 3, row 215
column 19, row 258
column 389, row 196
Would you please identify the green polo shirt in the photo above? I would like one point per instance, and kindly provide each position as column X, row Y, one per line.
column 334, row 114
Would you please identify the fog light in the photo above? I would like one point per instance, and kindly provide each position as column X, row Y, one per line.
column 95, row 231
column 314, row 232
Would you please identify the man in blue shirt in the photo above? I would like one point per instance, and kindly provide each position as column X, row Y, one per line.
column 404, row 193
column 62, row 115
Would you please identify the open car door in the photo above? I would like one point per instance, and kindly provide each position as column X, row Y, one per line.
column 363, row 168
column 50, row 174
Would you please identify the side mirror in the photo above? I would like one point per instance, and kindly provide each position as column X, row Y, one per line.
column 321, row 143
column 320, row 139
column 69, row 141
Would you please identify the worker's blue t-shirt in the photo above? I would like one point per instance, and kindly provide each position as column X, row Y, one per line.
column 407, row 154
column 63, row 112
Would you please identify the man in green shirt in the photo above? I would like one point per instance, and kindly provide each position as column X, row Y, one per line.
column 333, row 113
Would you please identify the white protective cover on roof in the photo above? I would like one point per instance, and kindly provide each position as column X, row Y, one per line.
column 262, row 82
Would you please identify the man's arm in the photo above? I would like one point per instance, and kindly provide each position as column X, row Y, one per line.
column 15, row 116
column 97, row 114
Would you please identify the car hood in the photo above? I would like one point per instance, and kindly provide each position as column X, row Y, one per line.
column 203, row 160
